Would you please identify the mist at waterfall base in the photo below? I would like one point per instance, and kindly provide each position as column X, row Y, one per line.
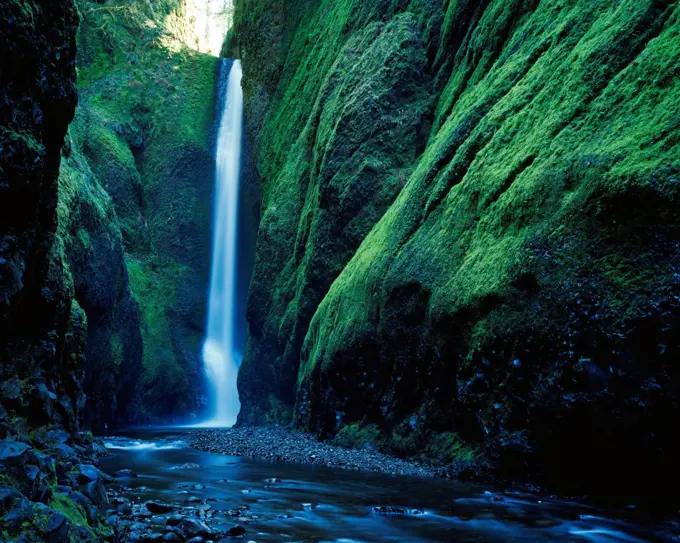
column 221, row 352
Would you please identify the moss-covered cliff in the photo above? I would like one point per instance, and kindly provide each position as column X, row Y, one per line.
column 469, row 244
column 143, row 130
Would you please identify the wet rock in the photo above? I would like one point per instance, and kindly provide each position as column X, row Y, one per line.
column 172, row 538
column 96, row 492
column 390, row 510
column 13, row 453
column 174, row 520
column 40, row 484
column 193, row 528
column 124, row 509
column 57, row 527
column 196, row 540
column 125, row 474
column 23, row 512
column 58, row 436
column 98, row 449
column 273, row 481
column 65, row 452
column 87, row 473
column 7, row 495
column 11, row 389
column 159, row 508
column 236, row 531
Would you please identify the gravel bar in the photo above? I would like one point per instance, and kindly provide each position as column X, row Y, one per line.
column 281, row 444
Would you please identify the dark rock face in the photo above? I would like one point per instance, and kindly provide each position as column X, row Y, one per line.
column 42, row 327
column 93, row 245
column 512, row 305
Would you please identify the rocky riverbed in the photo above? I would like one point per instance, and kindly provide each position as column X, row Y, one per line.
column 280, row 444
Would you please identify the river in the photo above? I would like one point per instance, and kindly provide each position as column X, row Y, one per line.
column 281, row 502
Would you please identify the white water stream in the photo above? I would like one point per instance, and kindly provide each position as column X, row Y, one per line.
column 219, row 355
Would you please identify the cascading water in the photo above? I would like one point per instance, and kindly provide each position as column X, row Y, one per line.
column 219, row 354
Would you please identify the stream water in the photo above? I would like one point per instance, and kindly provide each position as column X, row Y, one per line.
column 313, row 504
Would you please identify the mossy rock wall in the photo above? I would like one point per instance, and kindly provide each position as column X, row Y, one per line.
column 93, row 247
column 145, row 128
column 470, row 221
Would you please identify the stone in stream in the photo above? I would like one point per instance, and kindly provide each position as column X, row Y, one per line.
column 196, row 540
column 236, row 531
column 174, row 520
column 192, row 528
column 159, row 508
column 125, row 474
column 172, row 538
column 124, row 509
column 390, row 510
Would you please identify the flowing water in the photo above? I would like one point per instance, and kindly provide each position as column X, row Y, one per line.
column 312, row 504
column 219, row 354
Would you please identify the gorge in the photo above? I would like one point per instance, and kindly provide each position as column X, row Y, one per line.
column 419, row 237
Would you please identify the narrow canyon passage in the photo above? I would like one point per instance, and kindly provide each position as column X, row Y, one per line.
column 339, row 271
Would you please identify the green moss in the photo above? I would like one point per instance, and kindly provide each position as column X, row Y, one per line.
column 450, row 448
column 357, row 436
column 70, row 510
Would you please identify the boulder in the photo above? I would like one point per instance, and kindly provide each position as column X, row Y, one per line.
column 193, row 527
column 236, row 531
column 10, row 389
column 88, row 473
column 65, row 452
column 159, row 507
column 96, row 492
column 57, row 528
column 22, row 512
column 13, row 453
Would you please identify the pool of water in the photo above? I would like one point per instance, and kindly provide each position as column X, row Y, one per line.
column 311, row 504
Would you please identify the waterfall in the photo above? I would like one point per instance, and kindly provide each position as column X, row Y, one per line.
column 219, row 355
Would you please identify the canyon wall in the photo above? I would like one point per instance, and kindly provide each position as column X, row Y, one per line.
column 469, row 239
